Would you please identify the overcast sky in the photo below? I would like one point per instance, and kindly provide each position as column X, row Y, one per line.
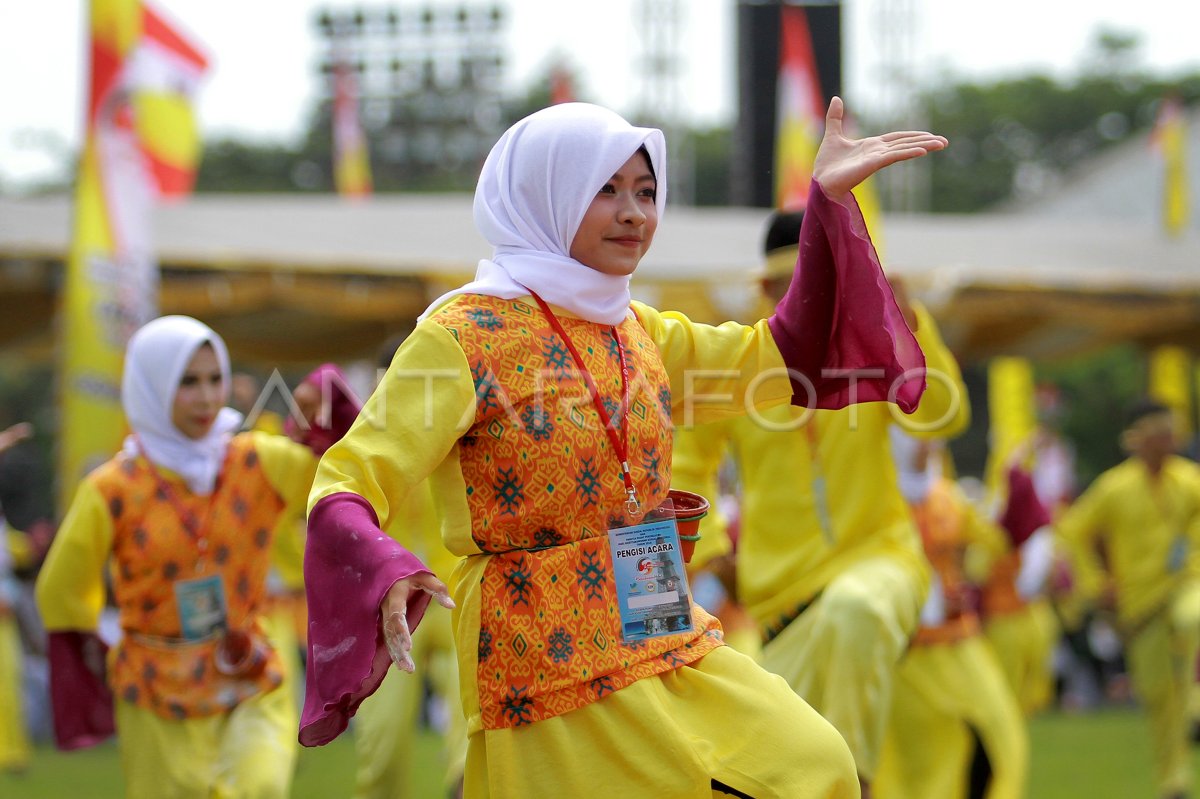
column 263, row 52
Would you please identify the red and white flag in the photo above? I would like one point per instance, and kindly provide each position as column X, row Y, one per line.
column 800, row 111
column 141, row 145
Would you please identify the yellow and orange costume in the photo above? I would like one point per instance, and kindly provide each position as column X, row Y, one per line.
column 950, row 695
column 525, row 489
column 172, row 707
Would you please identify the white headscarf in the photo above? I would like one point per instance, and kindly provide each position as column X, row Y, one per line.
column 534, row 189
column 155, row 360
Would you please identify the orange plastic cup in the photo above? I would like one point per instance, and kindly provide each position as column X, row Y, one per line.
column 689, row 510
column 240, row 654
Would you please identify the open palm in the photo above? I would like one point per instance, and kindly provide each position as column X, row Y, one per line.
column 394, row 614
column 842, row 163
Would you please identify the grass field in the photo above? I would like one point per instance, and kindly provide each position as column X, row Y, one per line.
column 1102, row 755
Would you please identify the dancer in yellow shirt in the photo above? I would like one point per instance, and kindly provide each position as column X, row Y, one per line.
column 180, row 521
column 565, row 690
column 15, row 552
column 954, row 729
column 1145, row 515
column 1017, row 616
column 829, row 562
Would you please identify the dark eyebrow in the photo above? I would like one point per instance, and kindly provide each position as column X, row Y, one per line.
column 648, row 177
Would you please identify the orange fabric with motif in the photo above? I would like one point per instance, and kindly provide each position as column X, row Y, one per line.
column 152, row 549
column 999, row 596
column 543, row 486
column 941, row 520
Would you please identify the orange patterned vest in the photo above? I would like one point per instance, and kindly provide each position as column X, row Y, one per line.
column 999, row 596
column 152, row 549
column 543, row 485
column 940, row 519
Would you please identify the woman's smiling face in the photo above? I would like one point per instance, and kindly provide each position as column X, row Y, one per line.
column 619, row 224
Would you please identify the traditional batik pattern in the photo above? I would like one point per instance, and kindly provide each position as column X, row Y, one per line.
column 152, row 549
column 543, row 485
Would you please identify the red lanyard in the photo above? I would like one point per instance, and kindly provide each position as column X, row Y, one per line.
column 620, row 443
column 186, row 517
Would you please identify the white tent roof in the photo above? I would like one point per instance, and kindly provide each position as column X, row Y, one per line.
column 1083, row 266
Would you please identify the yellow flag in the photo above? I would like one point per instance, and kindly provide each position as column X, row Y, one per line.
column 351, row 159
column 800, row 111
column 1170, row 137
column 800, row 124
column 1170, row 382
column 1012, row 415
column 133, row 153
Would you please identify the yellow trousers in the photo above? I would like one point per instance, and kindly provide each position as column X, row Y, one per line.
column 14, row 738
column 248, row 753
column 1162, row 662
column 279, row 625
column 1023, row 643
column 386, row 722
column 840, row 655
column 948, row 696
column 722, row 717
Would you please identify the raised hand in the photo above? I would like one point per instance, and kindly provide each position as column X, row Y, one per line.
column 842, row 163
column 14, row 435
column 394, row 610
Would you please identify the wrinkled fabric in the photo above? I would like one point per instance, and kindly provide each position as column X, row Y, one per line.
column 349, row 565
column 839, row 327
column 80, row 700
column 1024, row 514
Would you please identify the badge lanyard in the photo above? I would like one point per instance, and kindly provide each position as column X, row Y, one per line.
column 620, row 442
column 199, row 532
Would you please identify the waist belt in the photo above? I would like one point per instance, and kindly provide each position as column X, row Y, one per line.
column 169, row 642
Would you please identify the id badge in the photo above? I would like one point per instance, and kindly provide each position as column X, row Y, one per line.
column 201, row 605
column 1178, row 554
column 652, row 587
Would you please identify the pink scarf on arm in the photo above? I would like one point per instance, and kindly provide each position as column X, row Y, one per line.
column 839, row 328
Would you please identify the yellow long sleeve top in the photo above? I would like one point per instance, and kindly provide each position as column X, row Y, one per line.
column 1148, row 530
column 526, row 483
column 821, row 494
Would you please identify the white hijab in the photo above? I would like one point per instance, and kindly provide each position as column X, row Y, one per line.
column 534, row 189
column 915, row 483
column 155, row 360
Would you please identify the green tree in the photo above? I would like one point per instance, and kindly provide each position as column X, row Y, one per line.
column 230, row 165
column 1011, row 136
